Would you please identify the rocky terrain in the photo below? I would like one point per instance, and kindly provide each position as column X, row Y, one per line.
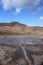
column 18, row 30
column 25, row 55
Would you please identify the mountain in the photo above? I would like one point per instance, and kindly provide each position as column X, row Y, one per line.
column 11, row 24
column 13, row 27
column 16, row 28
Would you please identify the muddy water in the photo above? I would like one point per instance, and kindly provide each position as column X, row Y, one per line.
column 19, row 41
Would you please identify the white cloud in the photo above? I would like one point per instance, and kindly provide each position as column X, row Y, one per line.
column 19, row 4
column 17, row 11
column 41, row 18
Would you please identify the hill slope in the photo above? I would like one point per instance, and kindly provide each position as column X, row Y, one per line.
column 15, row 28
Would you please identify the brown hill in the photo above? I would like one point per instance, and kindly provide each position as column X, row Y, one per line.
column 15, row 28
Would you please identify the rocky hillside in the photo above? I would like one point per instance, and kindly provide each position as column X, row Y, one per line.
column 12, row 28
column 15, row 28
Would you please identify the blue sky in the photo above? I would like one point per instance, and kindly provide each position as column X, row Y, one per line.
column 29, row 12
